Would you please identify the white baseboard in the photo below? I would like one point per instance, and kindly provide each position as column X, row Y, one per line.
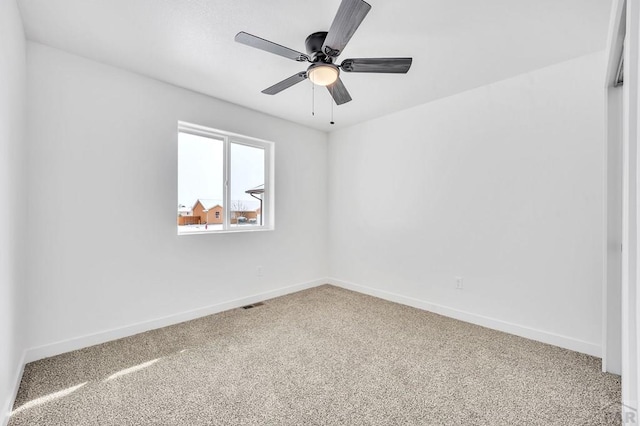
column 63, row 346
column 60, row 347
column 511, row 328
column 17, row 378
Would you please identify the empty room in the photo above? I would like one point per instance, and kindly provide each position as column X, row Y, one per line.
column 338, row 212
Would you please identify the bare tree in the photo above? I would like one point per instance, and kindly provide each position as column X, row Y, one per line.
column 238, row 208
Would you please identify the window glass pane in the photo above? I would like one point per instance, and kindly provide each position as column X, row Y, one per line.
column 247, row 185
column 200, row 183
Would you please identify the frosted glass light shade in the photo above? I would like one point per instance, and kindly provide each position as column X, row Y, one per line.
column 323, row 74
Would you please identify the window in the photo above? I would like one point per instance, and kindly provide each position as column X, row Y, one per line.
column 225, row 181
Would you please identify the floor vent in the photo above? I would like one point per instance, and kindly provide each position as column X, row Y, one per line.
column 255, row 305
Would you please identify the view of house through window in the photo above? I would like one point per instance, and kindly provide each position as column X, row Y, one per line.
column 223, row 181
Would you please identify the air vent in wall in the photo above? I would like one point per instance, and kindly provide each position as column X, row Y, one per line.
column 255, row 305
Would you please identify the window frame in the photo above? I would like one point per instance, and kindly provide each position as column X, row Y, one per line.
column 228, row 138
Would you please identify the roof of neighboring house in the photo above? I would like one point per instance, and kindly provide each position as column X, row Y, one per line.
column 208, row 203
column 245, row 204
column 184, row 209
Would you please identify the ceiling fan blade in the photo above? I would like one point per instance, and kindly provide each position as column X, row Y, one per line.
column 286, row 83
column 348, row 18
column 339, row 93
column 269, row 46
column 386, row 65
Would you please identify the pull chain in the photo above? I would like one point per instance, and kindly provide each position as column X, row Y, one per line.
column 332, row 122
column 313, row 102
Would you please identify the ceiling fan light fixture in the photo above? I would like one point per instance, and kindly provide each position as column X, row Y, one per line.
column 323, row 74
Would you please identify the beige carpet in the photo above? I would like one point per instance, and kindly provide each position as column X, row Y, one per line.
column 324, row 356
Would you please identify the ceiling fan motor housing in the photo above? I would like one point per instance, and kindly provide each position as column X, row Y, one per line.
column 314, row 45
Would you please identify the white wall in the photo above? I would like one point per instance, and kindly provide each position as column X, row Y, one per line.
column 103, row 140
column 501, row 185
column 12, row 124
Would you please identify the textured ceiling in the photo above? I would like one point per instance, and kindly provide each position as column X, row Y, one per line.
column 456, row 46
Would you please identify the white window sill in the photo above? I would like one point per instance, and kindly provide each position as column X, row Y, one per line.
column 225, row 231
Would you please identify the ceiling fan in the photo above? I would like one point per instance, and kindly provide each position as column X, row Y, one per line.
column 322, row 50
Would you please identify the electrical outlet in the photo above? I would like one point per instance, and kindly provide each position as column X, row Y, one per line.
column 459, row 283
column 259, row 271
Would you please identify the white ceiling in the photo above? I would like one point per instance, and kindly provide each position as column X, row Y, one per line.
column 455, row 45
